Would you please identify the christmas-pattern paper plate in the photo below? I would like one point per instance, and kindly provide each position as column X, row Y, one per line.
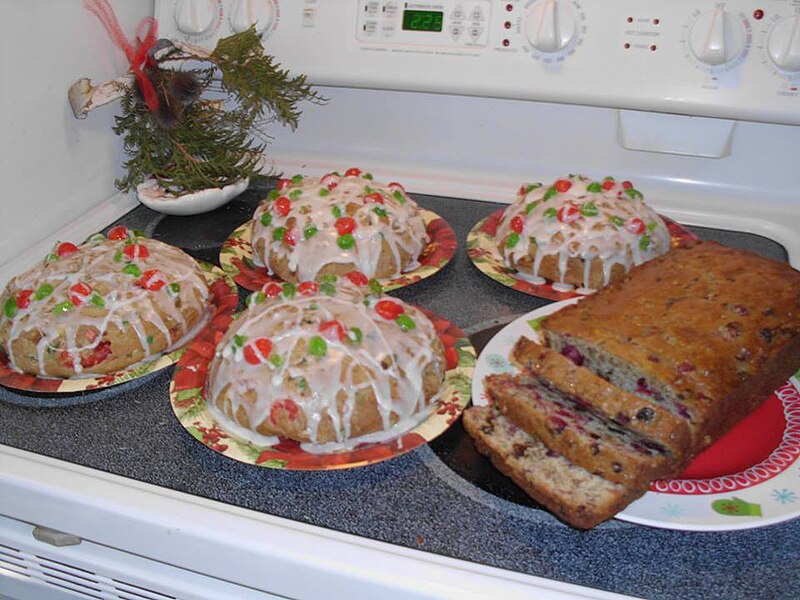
column 224, row 299
column 236, row 256
column 749, row 478
column 189, row 405
column 482, row 251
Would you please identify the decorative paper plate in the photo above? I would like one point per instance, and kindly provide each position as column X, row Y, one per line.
column 749, row 478
column 189, row 405
column 482, row 251
column 236, row 256
column 224, row 298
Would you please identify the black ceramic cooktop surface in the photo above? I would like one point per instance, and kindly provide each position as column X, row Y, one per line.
column 442, row 498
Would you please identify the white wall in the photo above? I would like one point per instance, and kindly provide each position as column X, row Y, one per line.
column 54, row 167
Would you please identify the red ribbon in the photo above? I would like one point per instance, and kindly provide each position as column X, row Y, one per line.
column 138, row 56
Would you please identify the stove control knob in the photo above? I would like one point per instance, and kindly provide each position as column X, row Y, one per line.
column 248, row 12
column 717, row 38
column 195, row 17
column 784, row 44
column 551, row 25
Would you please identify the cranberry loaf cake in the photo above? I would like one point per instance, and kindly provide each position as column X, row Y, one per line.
column 579, row 232
column 101, row 306
column 568, row 427
column 314, row 226
column 331, row 362
column 707, row 331
column 572, row 493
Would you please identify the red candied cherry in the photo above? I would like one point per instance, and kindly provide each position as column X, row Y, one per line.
column 135, row 251
column 562, row 185
column 608, row 184
column 152, row 280
column 120, row 232
column 80, row 293
column 286, row 405
column 373, row 197
column 283, row 184
column 569, row 213
column 329, row 181
column 333, row 331
column 345, row 225
column 24, row 299
column 290, row 237
column 272, row 290
column 307, row 288
column 396, row 187
column 352, row 172
column 257, row 351
column 283, row 205
column 517, row 224
column 634, row 226
column 388, row 309
column 65, row 249
column 357, row 277
column 627, row 185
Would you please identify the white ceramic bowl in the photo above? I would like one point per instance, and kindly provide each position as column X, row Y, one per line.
column 154, row 196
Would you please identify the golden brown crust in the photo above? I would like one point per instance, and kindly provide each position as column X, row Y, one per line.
column 571, row 493
column 549, row 269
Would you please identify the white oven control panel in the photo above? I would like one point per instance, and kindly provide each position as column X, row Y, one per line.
column 735, row 59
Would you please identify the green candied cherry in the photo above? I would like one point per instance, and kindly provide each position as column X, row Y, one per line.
column 512, row 240
column 273, row 195
column 289, row 290
column 324, row 192
column 239, row 340
column 132, row 270
column 275, row 360
column 10, row 308
column 336, row 211
column 295, row 194
column 634, row 193
column 550, row 213
column 266, row 218
column 405, row 322
column 380, row 211
column 644, row 242
column 594, row 187
column 327, row 288
column 398, row 195
column 173, row 289
column 354, row 336
column 309, row 232
column 589, row 209
column 278, row 233
column 616, row 220
column 551, row 191
column 317, row 346
column 375, row 287
column 63, row 307
column 531, row 205
column 329, row 278
column 652, row 225
column 346, row 241
column 296, row 179
column 97, row 300
column 43, row 291
column 256, row 298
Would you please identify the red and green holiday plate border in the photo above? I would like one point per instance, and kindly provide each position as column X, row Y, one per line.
column 189, row 405
column 748, row 478
column 482, row 251
column 236, row 256
column 224, row 299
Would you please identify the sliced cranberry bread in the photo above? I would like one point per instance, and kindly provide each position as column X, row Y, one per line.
column 585, row 389
column 597, row 444
column 706, row 330
column 572, row 493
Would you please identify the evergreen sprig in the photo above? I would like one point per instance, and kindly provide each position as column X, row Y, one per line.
column 205, row 133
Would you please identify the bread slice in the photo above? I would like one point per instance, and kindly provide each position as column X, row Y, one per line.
column 599, row 445
column 706, row 330
column 573, row 494
column 641, row 415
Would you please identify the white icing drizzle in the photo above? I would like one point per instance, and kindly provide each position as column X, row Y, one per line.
column 312, row 202
column 584, row 223
column 392, row 362
column 123, row 302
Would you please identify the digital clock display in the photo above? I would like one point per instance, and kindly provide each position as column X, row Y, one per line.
column 422, row 20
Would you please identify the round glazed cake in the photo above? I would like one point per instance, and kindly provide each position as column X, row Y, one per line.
column 102, row 306
column 579, row 232
column 329, row 362
column 334, row 224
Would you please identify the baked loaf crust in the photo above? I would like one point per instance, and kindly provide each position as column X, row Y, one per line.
column 314, row 226
column 708, row 331
column 583, row 388
column 570, row 492
column 328, row 362
column 597, row 444
column 579, row 232
column 102, row 306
